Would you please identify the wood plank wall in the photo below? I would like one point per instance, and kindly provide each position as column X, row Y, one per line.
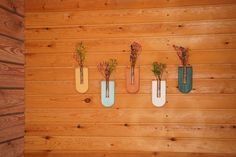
column 61, row 122
column 11, row 78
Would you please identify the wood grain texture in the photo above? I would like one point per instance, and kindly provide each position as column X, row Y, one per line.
column 14, row 6
column 200, row 86
column 112, row 45
column 11, row 120
column 12, row 132
column 69, row 18
column 130, row 143
column 11, row 78
column 226, row 131
column 11, row 50
column 12, row 148
column 50, row 153
column 11, row 75
column 174, row 101
column 43, row 116
column 66, row 73
column 146, row 59
column 61, row 122
column 141, row 30
column 10, row 98
column 58, row 5
column 11, row 24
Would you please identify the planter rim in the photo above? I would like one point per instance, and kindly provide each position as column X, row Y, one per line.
column 156, row 80
column 134, row 67
column 79, row 66
column 188, row 66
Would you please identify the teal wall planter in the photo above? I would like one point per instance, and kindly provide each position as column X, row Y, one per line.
column 108, row 100
column 185, row 87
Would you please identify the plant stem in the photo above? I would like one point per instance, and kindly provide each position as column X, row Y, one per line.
column 132, row 75
column 158, row 88
column 185, row 74
column 107, row 88
column 81, row 75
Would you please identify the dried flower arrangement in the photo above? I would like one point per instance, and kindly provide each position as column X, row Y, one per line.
column 158, row 69
column 106, row 68
column 183, row 54
column 135, row 51
column 80, row 58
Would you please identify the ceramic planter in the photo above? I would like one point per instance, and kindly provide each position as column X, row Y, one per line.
column 108, row 93
column 132, row 79
column 158, row 93
column 185, row 79
column 81, row 79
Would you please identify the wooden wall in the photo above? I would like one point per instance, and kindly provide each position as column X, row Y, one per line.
column 61, row 122
column 11, row 78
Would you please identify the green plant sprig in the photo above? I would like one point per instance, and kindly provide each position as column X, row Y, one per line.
column 158, row 69
column 80, row 54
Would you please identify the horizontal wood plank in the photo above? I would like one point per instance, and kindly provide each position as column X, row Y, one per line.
column 44, row 115
column 12, row 148
column 132, row 30
column 11, row 97
column 11, row 120
column 11, row 101
column 90, row 101
column 12, row 132
column 121, row 154
column 11, row 50
column 58, row 5
column 42, row 19
column 11, row 75
column 128, row 144
column 112, row 45
column 11, row 24
column 132, row 130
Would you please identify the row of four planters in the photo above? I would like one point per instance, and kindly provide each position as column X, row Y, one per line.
column 106, row 68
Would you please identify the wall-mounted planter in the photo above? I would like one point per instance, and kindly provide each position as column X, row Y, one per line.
column 158, row 93
column 81, row 79
column 185, row 79
column 132, row 79
column 108, row 93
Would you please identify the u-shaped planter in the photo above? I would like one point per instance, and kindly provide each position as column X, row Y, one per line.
column 185, row 80
column 158, row 93
column 81, row 80
column 132, row 79
column 108, row 95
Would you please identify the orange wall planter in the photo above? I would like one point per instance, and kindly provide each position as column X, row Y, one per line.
column 132, row 84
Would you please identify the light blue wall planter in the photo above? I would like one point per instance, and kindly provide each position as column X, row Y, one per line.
column 108, row 101
column 187, row 86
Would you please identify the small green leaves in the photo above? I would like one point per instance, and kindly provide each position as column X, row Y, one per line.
column 80, row 54
column 112, row 65
column 158, row 69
